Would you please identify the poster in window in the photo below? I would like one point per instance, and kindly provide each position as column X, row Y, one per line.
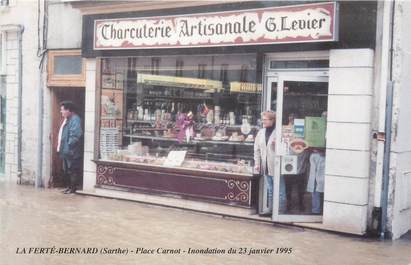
column 108, row 81
column 119, row 81
column 111, row 104
column 108, row 123
column 314, row 131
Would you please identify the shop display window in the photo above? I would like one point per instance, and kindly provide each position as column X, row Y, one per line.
column 198, row 112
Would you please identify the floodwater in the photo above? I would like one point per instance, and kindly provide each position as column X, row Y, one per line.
column 47, row 227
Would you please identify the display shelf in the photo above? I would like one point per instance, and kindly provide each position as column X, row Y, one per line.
column 140, row 121
column 149, row 97
column 305, row 94
column 238, row 126
column 150, row 129
column 177, row 169
column 147, row 137
column 245, row 92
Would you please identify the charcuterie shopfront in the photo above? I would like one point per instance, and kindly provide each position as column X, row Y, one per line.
column 174, row 100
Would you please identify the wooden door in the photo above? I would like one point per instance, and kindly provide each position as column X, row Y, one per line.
column 77, row 96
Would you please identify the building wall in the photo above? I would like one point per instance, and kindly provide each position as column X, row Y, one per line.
column 89, row 175
column 399, row 211
column 375, row 164
column 11, row 104
column 64, row 30
column 21, row 13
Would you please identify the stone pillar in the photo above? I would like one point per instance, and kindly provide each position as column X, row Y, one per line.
column 348, row 140
column 89, row 176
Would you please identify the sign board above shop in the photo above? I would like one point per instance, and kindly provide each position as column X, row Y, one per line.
column 286, row 24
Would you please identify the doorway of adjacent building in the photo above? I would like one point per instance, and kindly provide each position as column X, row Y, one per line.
column 59, row 94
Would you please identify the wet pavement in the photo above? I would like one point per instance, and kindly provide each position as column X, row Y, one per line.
column 47, row 227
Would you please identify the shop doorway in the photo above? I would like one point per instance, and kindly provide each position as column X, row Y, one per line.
column 59, row 94
column 300, row 100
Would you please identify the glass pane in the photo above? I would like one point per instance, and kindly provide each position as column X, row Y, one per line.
column 67, row 65
column 198, row 111
column 303, row 139
column 1, row 52
column 2, row 109
column 2, row 133
column 299, row 64
column 266, row 161
column 273, row 96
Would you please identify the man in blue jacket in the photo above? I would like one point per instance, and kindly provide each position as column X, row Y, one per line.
column 69, row 145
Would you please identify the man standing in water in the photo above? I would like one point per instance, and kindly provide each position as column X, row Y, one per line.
column 69, row 146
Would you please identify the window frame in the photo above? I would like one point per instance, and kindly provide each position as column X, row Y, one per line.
column 3, row 53
column 4, row 2
column 75, row 80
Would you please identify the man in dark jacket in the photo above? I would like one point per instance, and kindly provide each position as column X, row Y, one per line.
column 70, row 145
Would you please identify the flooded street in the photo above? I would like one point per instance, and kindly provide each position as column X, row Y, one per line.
column 90, row 230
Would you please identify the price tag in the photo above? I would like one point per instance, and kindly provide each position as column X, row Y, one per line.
column 175, row 158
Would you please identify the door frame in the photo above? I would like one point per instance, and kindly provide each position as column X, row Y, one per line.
column 281, row 76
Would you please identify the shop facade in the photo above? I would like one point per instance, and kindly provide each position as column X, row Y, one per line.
column 174, row 119
column 322, row 64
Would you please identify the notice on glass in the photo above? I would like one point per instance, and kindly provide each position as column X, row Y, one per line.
column 314, row 131
column 175, row 158
column 299, row 128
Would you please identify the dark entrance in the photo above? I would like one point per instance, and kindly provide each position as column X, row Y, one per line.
column 77, row 96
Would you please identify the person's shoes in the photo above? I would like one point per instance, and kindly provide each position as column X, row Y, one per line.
column 70, row 191
column 265, row 214
column 65, row 190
